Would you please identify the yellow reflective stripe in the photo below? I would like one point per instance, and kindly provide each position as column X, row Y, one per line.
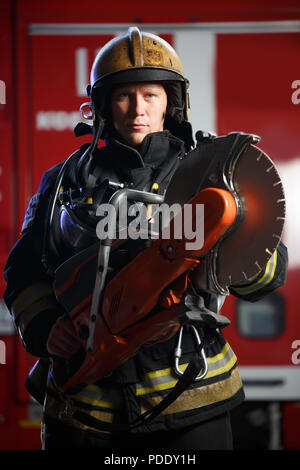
column 30, row 295
column 96, row 403
column 198, row 397
column 165, row 379
column 26, row 423
column 221, row 370
column 56, row 408
column 264, row 280
column 210, row 360
column 218, row 357
column 99, row 397
column 155, row 388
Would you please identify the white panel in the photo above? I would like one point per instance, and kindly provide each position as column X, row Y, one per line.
column 238, row 27
column 271, row 383
column 197, row 51
column 289, row 173
column 6, row 323
column 81, row 67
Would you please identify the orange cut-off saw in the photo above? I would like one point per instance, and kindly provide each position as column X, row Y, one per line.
column 117, row 315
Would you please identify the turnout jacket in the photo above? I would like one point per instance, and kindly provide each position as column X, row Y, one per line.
column 144, row 380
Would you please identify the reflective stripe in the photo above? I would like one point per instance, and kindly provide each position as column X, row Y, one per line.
column 166, row 379
column 57, row 409
column 99, row 397
column 198, row 397
column 95, row 396
column 26, row 316
column 30, row 295
column 31, row 302
column 263, row 281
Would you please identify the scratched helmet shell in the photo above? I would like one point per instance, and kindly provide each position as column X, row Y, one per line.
column 139, row 57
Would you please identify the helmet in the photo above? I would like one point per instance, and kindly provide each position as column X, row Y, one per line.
column 138, row 57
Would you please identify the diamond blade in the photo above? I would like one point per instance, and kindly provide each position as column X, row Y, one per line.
column 247, row 249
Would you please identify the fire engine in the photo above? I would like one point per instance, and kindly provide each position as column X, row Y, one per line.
column 244, row 71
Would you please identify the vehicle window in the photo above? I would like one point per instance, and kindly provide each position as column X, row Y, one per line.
column 262, row 319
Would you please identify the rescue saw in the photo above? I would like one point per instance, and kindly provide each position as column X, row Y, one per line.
column 115, row 315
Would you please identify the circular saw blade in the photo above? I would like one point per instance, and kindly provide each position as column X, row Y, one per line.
column 242, row 254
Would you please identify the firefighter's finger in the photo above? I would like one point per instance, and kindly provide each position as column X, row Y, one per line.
column 63, row 349
column 62, row 340
column 66, row 326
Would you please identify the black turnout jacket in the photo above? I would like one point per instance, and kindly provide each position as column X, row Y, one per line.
column 144, row 380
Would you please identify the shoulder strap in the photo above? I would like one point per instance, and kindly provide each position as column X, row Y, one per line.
column 68, row 163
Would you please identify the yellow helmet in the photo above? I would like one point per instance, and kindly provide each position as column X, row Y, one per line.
column 138, row 57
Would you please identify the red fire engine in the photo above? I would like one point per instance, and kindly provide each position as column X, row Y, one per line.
column 243, row 66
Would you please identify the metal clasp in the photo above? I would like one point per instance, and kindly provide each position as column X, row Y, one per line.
column 178, row 350
column 84, row 114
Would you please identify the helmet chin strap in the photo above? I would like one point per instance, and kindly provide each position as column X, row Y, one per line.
column 85, row 161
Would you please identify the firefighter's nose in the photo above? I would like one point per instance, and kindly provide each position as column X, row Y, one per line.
column 138, row 105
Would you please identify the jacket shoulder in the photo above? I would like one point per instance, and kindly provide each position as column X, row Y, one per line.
column 49, row 178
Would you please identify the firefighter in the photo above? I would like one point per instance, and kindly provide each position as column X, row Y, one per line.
column 139, row 106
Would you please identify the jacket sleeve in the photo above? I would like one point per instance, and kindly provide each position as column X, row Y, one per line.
column 269, row 279
column 29, row 294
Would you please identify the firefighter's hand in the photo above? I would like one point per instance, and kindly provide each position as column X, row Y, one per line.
column 62, row 340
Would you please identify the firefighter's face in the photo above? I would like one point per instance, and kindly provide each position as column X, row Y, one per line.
column 137, row 110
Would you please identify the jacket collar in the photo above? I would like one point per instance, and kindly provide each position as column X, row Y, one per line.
column 155, row 149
